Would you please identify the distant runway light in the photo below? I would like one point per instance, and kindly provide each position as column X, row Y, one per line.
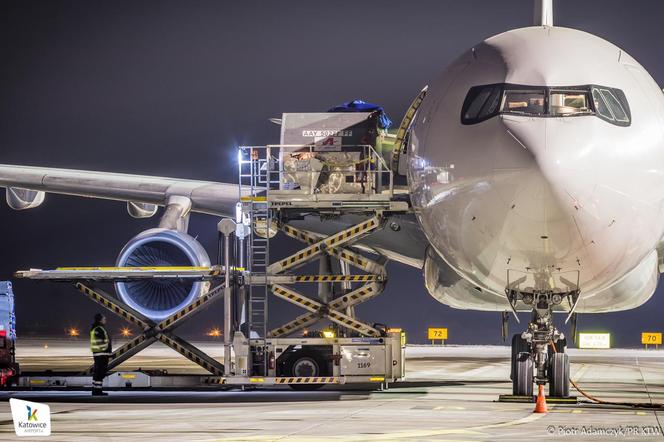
column 125, row 332
column 73, row 332
column 214, row 333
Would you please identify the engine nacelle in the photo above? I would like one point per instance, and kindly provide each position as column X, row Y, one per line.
column 22, row 199
column 160, row 298
column 447, row 287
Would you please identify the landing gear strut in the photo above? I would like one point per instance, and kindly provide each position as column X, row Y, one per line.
column 534, row 359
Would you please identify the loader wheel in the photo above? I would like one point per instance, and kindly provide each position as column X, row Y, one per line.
column 305, row 364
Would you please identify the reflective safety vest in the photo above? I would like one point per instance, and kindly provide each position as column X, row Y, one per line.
column 99, row 339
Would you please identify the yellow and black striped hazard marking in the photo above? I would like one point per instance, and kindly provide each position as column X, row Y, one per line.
column 120, row 354
column 307, row 380
column 295, row 298
column 352, row 258
column 191, row 308
column 398, row 148
column 195, row 356
column 340, row 318
column 336, row 278
column 298, row 234
column 352, row 232
column 332, row 241
column 296, row 324
column 114, row 307
column 214, row 381
column 355, row 297
column 352, row 324
column 357, row 260
column 128, row 346
column 192, row 353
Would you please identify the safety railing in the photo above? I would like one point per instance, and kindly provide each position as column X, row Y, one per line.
column 314, row 169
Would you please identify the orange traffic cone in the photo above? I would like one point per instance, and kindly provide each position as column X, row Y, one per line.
column 540, row 405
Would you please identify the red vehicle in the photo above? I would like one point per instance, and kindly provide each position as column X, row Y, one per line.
column 9, row 369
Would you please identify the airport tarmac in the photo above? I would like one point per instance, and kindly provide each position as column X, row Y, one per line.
column 450, row 394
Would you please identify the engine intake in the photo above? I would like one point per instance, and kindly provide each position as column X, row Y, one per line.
column 160, row 298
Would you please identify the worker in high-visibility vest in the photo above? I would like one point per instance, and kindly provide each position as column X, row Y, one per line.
column 100, row 345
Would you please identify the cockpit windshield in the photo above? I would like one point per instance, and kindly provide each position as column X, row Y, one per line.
column 569, row 102
column 529, row 102
column 484, row 102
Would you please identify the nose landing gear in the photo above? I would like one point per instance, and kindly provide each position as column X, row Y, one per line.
column 538, row 354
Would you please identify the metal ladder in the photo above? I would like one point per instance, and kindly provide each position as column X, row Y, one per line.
column 258, row 175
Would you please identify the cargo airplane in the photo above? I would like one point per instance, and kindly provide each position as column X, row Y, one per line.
column 534, row 165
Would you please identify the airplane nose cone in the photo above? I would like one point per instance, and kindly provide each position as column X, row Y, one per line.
column 569, row 197
column 558, row 148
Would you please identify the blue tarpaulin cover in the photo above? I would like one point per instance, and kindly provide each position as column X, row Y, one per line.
column 362, row 106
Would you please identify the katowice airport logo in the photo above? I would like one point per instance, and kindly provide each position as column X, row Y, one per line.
column 30, row 418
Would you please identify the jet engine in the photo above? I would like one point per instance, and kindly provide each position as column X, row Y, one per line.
column 447, row 287
column 159, row 247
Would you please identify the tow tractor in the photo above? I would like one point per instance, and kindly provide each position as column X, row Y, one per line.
column 329, row 170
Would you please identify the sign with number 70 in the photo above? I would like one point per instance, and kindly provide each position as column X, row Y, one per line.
column 651, row 338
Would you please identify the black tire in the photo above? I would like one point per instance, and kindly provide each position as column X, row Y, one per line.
column 305, row 363
column 559, row 375
column 522, row 384
column 561, row 347
column 519, row 345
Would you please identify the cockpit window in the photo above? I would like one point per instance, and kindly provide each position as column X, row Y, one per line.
column 615, row 106
column 601, row 106
column 484, row 102
column 529, row 102
column 570, row 102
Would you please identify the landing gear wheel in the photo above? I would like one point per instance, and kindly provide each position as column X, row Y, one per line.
column 522, row 384
column 519, row 345
column 305, row 364
column 559, row 375
column 561, row 347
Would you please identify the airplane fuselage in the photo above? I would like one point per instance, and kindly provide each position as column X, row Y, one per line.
column 539, row 154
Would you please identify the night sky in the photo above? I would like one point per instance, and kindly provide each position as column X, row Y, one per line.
column 169, row 88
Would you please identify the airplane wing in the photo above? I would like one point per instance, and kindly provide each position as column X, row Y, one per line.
column 26, row 187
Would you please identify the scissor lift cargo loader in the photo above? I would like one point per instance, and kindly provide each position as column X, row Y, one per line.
column 279, row 184
column 272, row 194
